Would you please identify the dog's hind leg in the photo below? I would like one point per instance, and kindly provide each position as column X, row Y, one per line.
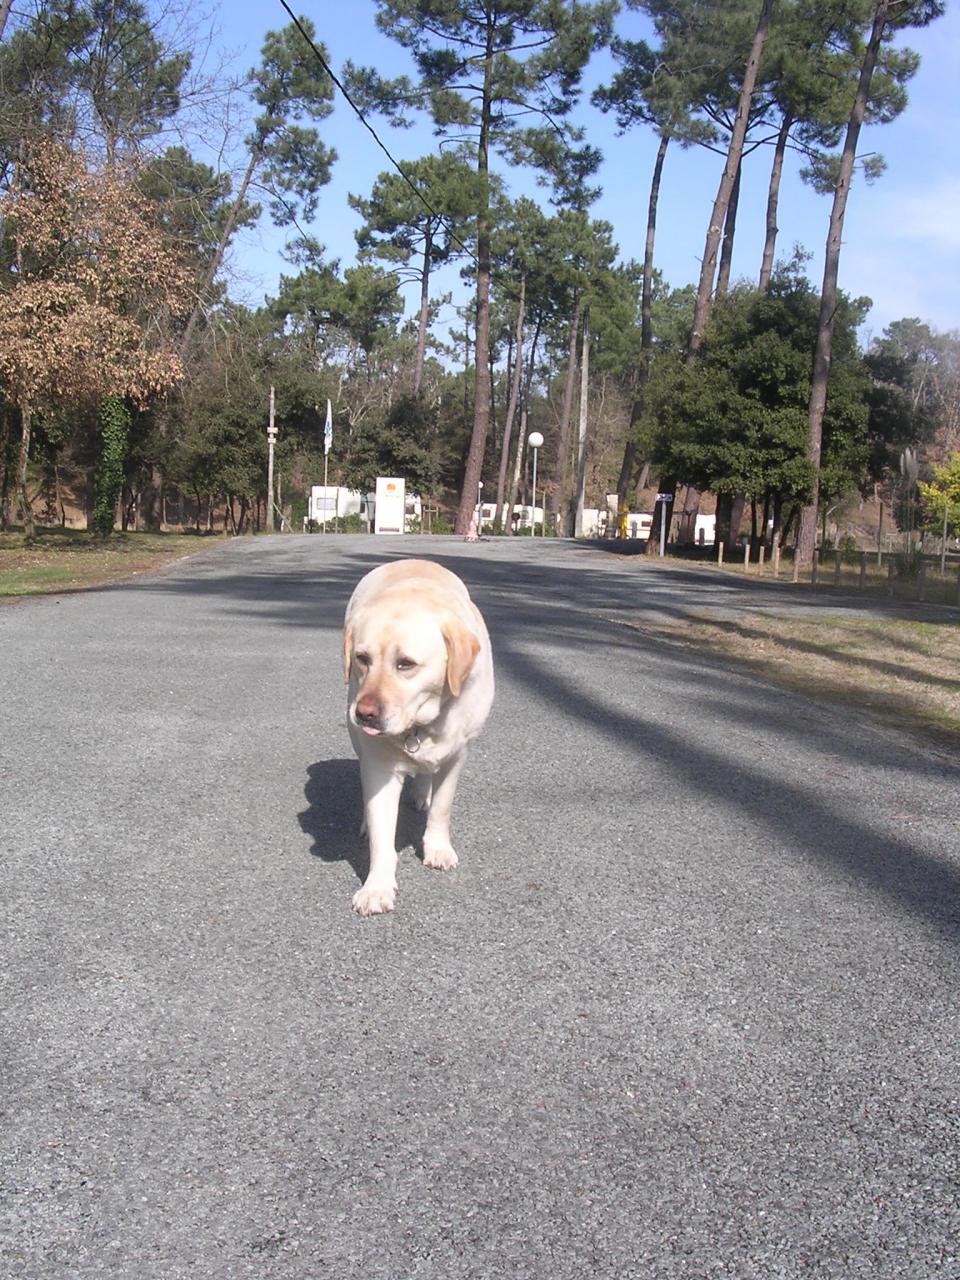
column 422, row 789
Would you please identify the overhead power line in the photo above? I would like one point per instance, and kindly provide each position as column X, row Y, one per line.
column 373, row 133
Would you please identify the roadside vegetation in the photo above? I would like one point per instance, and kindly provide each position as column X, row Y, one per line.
column 903, row 577
column 905, row 674
column 56, row 560
column 132, row 385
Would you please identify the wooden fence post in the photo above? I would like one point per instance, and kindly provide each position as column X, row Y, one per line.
column 746, row 556
column 776, row 559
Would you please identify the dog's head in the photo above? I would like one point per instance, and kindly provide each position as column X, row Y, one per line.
column 406, row 661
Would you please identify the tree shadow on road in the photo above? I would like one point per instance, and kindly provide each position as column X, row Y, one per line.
column 926, row 887
column 533, row 608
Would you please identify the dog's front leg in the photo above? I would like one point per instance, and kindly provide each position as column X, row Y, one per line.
column 437, row 850
column 381, row 800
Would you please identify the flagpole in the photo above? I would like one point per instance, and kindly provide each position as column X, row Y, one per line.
column 327, row 442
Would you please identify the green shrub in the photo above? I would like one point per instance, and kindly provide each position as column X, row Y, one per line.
column 298, row 510
column 354, row 523
column 849, row 551
column 908, row 564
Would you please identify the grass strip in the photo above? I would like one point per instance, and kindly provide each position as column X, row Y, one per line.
column 906, row 674
column 59, row 560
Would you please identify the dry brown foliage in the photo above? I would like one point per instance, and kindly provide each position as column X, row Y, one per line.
column 85, row 312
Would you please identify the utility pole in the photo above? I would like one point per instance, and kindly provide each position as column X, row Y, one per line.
column 271, row 441
column 582, row 431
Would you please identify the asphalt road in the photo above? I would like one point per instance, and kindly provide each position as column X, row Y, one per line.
column 688, row 1009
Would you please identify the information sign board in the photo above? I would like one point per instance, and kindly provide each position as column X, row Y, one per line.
column 391, row 505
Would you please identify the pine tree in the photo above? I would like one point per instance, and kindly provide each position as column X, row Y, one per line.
column 480, row 69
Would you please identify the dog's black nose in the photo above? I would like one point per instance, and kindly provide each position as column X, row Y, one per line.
column 368, row 712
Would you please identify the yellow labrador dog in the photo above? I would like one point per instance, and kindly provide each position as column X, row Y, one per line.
column 420, row 673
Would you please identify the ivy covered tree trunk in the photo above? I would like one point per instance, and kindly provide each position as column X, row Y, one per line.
column 4, row 446
column 108, row 478
column 26, row 509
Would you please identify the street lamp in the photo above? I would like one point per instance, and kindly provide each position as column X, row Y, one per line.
column 534, row 440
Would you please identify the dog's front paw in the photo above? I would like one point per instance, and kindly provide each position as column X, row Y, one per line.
column 374, row 900
column 440, row 857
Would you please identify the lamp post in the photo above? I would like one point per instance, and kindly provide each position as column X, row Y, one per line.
column 271, row 441
column 479, row 506
column 534, row 440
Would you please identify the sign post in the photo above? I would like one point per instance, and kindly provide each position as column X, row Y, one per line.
column 664, row 499
column 327, row 442
column 390, row 514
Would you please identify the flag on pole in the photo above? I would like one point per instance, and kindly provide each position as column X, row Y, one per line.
column 328, row 430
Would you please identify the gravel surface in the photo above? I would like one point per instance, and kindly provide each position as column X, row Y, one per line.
column 688, row 1009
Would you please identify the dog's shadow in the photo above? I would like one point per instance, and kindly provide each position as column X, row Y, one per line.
column 335, row 810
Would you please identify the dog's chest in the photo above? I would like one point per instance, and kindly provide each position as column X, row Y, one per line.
column 425, row 754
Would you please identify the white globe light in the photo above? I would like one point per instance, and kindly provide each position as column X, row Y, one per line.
column 534, row 439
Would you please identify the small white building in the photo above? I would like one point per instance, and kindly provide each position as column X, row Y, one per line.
column 336, row 500
column 327, row 501
column 705, row 531
column 522, row 515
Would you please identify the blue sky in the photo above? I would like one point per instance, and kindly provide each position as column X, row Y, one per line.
column 901, row 235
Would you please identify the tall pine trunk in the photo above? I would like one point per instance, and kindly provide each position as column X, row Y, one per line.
column 628, row 465
column 807, row 533
column 424, row 312
column 214, row 264
column 559, row 497
column 521, row 438
column 481, row 401
column 718, row 218
column 729, row 231
column 773, row 201
column 511, row 408
column 718, row 214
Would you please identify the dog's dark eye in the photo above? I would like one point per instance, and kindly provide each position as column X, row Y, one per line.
column 405, row 664
column 362, row 659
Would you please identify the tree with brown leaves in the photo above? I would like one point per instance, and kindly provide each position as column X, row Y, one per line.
column 87, row 291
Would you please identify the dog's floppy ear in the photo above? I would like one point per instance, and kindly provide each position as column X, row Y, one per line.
column 347, row 651
column 462, row 649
